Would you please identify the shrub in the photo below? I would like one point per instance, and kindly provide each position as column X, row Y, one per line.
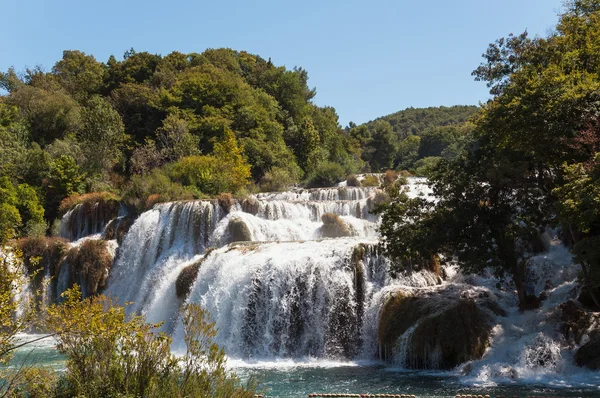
column 111, row 354
column 370, row 180
column 277, row 179
column 226, row 201
column 93, row 197
column 144, row 191
column 326, row 174
column 352, row 181
column 90, row 263
column 334, row 227
column 225, row 171
column 390, row 177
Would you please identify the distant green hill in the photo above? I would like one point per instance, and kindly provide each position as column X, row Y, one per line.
column 414, row 138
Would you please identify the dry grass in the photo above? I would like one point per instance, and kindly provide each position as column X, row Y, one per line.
column 334, row 227
column 90, row 262
column 93, row 197
column 226, row 201
column 390, row 177
column 352, row 181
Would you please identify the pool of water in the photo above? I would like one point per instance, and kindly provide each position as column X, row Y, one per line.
column 299, row 378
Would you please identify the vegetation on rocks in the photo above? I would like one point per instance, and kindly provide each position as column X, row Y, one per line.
column 334, row 227
column 238, row 230
column 441, row 333
column 89, row 265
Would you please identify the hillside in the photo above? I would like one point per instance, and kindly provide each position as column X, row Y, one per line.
column 414, row 138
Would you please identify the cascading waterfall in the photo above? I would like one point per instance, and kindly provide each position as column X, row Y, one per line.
column 289, row 293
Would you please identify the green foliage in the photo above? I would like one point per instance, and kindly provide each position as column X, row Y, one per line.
column 226, row 171
column 424, row 166
column 102, row 136
column 327, row 174
column 370, row 180
column 79, row 74
column 400, row 139
column 277, row 179
column 143, row 191
column 65, row 178
column 50, row 113
column 109, row 354
column 31, row 210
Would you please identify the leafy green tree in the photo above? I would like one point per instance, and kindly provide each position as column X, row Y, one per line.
column 102, row 136
column 14, row 138
column 384, row 146
column 10, row 219
column 79, row 73
column 51, row 114
column 408, row 152
column 175, row 139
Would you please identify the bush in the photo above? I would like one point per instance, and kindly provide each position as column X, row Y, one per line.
column 352, row 181
column 226, row 201
column 90, row 263
column 144, row 191
column 390, row 177
column 334, row 227
column 225, row 171
column 326, row 174
column 70, row 202
column 111, row 354
column 370, row 180
column 277, row 179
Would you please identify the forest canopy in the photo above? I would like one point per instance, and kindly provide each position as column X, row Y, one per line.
column 179, row 126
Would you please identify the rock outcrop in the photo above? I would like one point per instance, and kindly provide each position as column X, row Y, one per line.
column 432, row 332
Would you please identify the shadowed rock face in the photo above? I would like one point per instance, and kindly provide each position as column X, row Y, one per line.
column 588, row 355
column 419, row 332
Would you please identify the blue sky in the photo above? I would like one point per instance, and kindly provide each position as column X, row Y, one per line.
column 366, row 58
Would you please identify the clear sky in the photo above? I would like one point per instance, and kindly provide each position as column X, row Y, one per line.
column 366, row 58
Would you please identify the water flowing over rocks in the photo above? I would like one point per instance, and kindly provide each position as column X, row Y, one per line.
column 299, row 274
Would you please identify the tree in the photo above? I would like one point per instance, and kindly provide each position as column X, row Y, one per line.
column 102, row 136
column 80, row 74
column 384, row 146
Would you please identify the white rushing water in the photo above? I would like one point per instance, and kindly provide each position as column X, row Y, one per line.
column 291, row 295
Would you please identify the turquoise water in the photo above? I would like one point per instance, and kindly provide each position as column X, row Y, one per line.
column 298, row 379
column 379, row 379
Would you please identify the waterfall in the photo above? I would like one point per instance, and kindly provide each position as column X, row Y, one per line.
column 288, row 299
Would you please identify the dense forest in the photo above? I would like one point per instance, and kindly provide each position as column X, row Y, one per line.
column 414, row 139
column 150, row 128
